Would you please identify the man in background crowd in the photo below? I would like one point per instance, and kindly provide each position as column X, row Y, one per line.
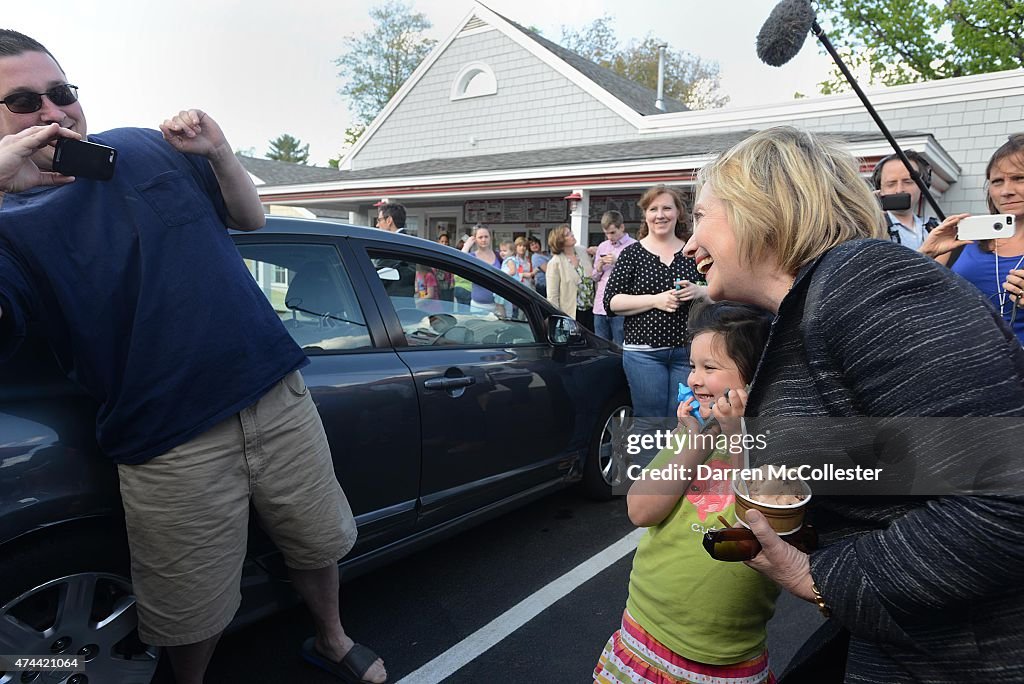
column 391, row 217
column 890, row 177
column 616, row 239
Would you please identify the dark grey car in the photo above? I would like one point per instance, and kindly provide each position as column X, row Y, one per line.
column 440, row 414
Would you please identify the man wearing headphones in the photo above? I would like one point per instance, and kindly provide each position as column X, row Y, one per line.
column 891, row 177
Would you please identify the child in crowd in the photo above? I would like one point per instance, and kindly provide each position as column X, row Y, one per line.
column 690, row 618
column 427, row 291
column 524, row 263
column 508, row 258
column 508, row 265
column 426, row 282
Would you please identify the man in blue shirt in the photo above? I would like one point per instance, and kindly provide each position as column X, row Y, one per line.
column 149, row 308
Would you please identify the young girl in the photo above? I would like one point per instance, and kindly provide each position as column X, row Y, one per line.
column 426, row 288
column 508, row 265
column 524, row 263
column 690, row 618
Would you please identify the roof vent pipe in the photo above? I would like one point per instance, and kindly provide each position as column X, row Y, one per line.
column 660, row 102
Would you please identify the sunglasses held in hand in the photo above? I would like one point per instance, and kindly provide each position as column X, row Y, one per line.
column 740, row 544
column 26, row 103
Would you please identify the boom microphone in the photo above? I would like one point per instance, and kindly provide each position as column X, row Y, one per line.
column 782, row 36
column 784, row 32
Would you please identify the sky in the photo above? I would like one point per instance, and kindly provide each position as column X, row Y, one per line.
column 263, row 68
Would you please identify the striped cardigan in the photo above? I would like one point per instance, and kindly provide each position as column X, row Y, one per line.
column 930, row 588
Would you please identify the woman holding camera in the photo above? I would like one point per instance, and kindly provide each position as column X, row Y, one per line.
column 921, row 588
column 996, row 267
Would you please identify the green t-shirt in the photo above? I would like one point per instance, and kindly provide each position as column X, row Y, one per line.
column 706, row 610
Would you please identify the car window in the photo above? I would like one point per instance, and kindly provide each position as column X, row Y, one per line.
column 310, row 290
column 437, row 304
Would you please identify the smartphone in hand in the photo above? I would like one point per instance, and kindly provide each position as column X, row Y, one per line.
column 988, row 227
column 84, row 159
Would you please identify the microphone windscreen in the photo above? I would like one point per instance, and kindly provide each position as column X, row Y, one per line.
column 784, row 32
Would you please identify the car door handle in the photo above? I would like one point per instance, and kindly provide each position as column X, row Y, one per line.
column 448, row 383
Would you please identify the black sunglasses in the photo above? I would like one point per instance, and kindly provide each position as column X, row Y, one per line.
column 26, row 103
column 739, row 543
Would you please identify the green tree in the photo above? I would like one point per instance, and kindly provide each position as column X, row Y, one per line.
column 376, row 64
column 288, row 149
column 688, row 78
column 596, row 41
column 352, row 134
column 892, row 42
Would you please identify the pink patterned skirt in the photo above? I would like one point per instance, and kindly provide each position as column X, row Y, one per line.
column 632, row 656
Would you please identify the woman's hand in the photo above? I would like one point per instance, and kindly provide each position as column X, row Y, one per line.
column 667, row 301
column 690, row 292
column 942, row 239
column 780, row 562
column 728, row 410
column 1014, row 286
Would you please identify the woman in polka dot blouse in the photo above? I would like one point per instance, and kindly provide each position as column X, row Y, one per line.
column 653, row 285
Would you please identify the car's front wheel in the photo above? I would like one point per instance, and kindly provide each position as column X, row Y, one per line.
column 603, row 469
column 73, row 597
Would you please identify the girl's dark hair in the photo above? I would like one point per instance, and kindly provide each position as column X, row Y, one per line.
column 744, row 330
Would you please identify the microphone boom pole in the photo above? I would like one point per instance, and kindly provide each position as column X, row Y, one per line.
column 819, row 33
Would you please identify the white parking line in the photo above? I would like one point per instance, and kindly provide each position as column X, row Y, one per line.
column 518, row 615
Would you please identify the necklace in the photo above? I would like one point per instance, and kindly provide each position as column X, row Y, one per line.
column 1000, row 292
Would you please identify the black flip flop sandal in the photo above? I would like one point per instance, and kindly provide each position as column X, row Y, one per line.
column 350, row 669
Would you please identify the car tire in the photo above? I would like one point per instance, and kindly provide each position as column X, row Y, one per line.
column 601, row 470
column 71, row 595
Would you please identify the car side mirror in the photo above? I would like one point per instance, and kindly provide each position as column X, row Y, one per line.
column 388, row 273
column 563, row 331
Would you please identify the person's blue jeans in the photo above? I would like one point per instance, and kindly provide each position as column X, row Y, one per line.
column 654, row 378
column 610, row 328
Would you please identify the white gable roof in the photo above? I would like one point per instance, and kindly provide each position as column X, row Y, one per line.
column 481, row 19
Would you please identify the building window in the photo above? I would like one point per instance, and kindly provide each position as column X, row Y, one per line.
column 280, row 275
column 475, row 80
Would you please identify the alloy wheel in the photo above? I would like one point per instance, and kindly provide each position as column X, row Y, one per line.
column 89, row 615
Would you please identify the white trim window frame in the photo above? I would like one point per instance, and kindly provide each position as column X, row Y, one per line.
column 474, row 80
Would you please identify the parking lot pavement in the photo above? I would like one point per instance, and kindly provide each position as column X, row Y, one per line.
column 420, row 607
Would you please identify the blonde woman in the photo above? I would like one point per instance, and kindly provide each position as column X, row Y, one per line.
column 927, row 588
column 570, row 287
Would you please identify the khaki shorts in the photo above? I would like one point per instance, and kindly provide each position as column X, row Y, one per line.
column 188, row 512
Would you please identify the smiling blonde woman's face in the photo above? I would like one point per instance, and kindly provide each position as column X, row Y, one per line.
column 713, row 246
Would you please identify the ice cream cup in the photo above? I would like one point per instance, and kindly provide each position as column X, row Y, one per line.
column 784, row 518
